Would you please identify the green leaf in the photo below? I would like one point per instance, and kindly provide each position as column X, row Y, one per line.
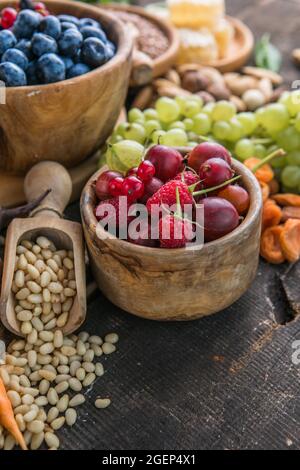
column 267, row 56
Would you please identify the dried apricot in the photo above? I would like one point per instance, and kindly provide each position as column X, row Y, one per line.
column 271, row 215
column 287, row 199
column 265, row 190
column 290, row 240
column 290, row 212
column 264, row 173
column 270, row 246
column 274, row 186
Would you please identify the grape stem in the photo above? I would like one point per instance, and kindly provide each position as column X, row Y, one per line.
column 268, row 158
column 214, row 188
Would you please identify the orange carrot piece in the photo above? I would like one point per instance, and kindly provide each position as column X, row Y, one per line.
column 271, row 215
column 7, row 419
column 287, row 199
column 264, row 174
column 290, row 240
column 265, row 190
column 270, row 246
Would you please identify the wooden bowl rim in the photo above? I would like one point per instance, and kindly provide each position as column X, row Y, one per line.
column 123, row 51
column 162, row 24
column 239, row 28
column 249, row 180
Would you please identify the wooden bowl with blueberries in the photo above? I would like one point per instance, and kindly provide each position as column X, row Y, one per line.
column 65, row 67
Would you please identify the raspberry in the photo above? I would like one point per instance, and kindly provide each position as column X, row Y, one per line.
column 189, row 177
column 167, row 195
column 174, row 232
column 119, row 205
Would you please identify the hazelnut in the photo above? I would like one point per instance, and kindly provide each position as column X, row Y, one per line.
column 194, row 81
column 206, row 97
column 219, row 92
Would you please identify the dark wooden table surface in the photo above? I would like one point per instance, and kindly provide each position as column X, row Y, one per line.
column 224, row 382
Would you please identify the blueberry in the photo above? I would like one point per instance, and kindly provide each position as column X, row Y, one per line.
column 24, row 45
column 88, row 22
column 69, row 42
column 26, row 4
column 91, row 32
column 26, row 24
column 110, row 50
column 31, row 73
column 7, row 40
column 67, row 61
column 93, row 52
column 51, row 26
column 66, row 25
column 50, row 68
column 12, row 75
column 69, row 19
column 42, row 44
column 77, row 57
column 78, row 69
column 16, row 57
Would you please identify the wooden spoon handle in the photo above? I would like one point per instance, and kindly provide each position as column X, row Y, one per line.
column 49, row 175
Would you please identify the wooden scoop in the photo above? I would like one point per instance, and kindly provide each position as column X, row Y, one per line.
column 46, row 220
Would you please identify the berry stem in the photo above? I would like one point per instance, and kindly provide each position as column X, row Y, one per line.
column 208, row 190
column 268, row 158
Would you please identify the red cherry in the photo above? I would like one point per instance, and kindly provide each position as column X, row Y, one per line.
column 203, row 152
column 115, row 186
column 102, row 189
column 132, row 171
column 238, row 197
column 168, row 162
column 146, row 171
column 133, row 188
column 41, row 8
column 214, row 171
column 8, row 17
column 151, row 187
column 220, row 218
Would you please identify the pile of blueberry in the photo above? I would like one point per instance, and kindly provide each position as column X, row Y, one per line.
column 39, row 48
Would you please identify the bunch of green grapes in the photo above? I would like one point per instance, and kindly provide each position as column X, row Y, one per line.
column 186, row 121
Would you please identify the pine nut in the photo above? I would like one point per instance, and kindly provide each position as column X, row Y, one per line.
column 96, row 340
column 102, row 403
column 68, row 350
column 37, row 441
column 83, row 336
column 46, row 295
column 35, row 298
column 46, row 348
column 33, row 271
column 53, row 265
column 43, row 242
column 37, row 324
column 34, row 287
column 52, row 396
column 51, row 440
column 89, row 356
column 58, row 339
column 71, row 416
column 44, row 387
column 63, row 403
column 14, row 398
column 77, row 400
column 89, row 379
column 80, row 374
column 75, row 384
column 112, row 338
column 45, row 279
column 32, row 337
column 52, row 414
column 62, row 387
column 99, row 369
column 46, row 374
column 30, row 416
column 23, row 293
column 41, row 401
column 9, row 442
column 24, row 315
column 55, row 287
column 27, row 399
column 108, row 348
column 19, row 278
column 32, row 358
column 58, row 423
column 46, row 336
column 62, row 319
column 68, row 263
column 88, row 366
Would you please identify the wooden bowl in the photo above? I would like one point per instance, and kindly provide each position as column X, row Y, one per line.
column 239, row 50
column 66, row 121
column 181, row 284
column 165, row 61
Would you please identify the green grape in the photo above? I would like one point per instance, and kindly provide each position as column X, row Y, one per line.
column 223, row 111
column 188, row 124
column 121, row 128
column 136, row 114
column 260, row 151
column 189, row 106
column 291, row 101
column 135, row 132
column 127, row 153
column 248, row 122
column 168, row 110
column 289, row 139
column 177, row 125
column 297, row 122
column 202, row 124
column 244, row 149
column 150, row 114
column 115, row 138
column 151, row 126
column 156, row 136
column 174, row 138
column 293, row 158
column 274, row 117
column 290, row 176
column 208, row 108
column 221, row 130
column 236, row 130
column 192, row 136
